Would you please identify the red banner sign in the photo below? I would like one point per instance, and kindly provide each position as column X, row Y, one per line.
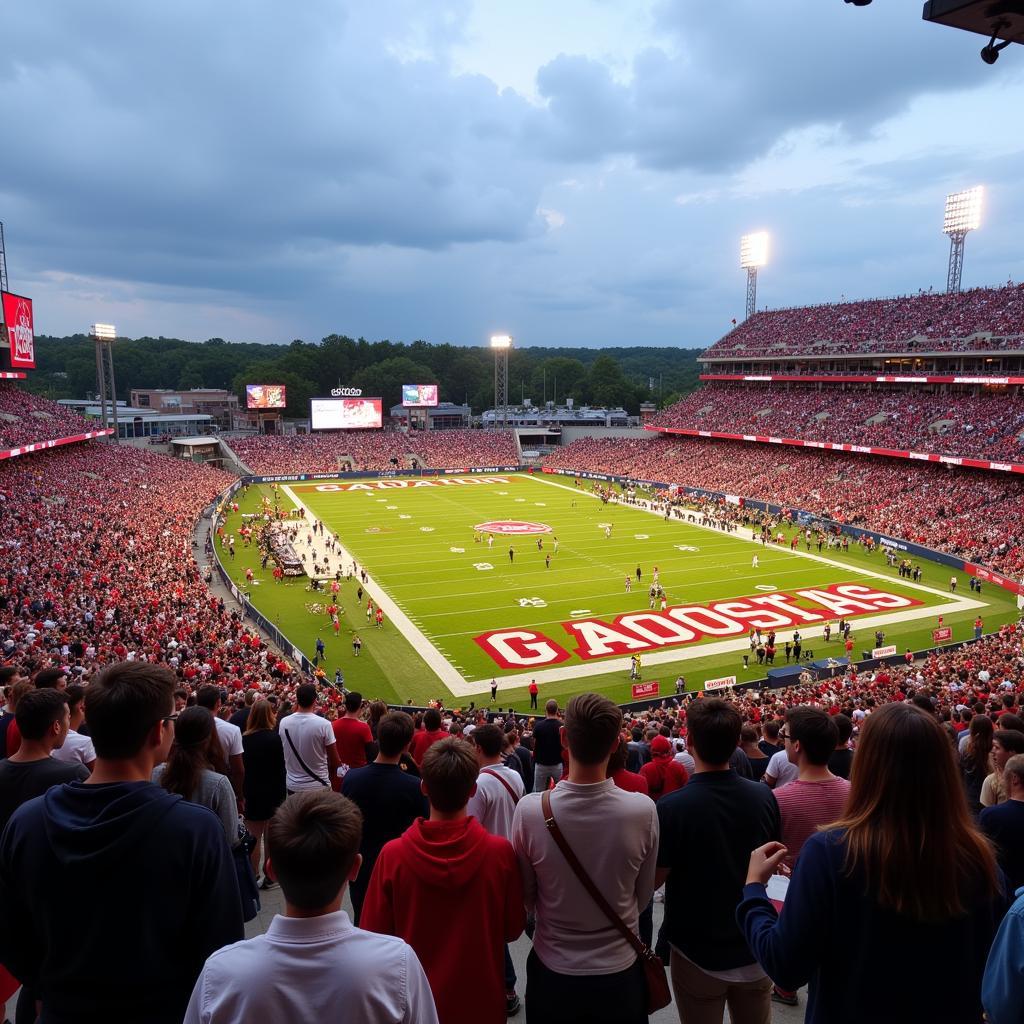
column 20, row 330
column 645, row 690
column 942, row 635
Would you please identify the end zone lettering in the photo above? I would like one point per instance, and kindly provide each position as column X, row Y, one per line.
column 387, row 485
column 686, row 624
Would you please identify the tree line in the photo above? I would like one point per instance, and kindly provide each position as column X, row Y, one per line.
column 599, row 377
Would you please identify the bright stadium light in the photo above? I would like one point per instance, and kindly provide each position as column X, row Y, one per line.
column 104, row 336
column 963, row 214
column 501, row 343
column 754, row 250
column 753, row 254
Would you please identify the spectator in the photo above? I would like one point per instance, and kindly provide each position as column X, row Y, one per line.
column 902, row 881
column 189, row 773
column 76, row 748
column 353, row 735
column 755, row 755
column 312, row 964
column 14, row 685
column 310, row 751
column 1005, row 743
column 1002, row 989
column 412, row 886
column 126, row 848
column 841, row 761
column 663, row 774
column 974, row 760
column 1004, row 824
column 781, row 770
column 430, row 734
column 575, row 973
column 43, row 720
column 241, row 716
column 816, row 797
column 623, row 777
column 389, row 798
column 498, row 787
column 547, row 748
column 707, row 830
column 265, row 784
column 230, row 739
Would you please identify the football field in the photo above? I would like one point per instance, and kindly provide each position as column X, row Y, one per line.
column 517, row 577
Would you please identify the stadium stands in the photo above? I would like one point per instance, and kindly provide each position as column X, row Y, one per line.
column 973, row 426
column 373, row 450
column 28, row 419
column 977, row 516
column 981, row 319
column 98, row 566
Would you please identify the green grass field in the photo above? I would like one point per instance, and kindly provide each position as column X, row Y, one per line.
column 445, row 593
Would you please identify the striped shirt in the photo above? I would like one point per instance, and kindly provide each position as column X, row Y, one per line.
column 803, row 806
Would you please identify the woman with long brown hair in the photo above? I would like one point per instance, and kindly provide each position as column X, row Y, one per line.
column 902, row 882
column 974, row 761
column 189, row 769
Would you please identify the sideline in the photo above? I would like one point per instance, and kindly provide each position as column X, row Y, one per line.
column 438, row 663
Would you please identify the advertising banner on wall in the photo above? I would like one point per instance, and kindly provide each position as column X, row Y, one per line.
column 17, row 317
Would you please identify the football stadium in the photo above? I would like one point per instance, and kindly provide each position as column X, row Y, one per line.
column 672, row 674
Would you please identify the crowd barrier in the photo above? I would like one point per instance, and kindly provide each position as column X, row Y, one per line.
column 378, row 474
column 57, row 442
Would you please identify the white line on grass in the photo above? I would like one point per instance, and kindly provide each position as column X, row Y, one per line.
column 440, row 665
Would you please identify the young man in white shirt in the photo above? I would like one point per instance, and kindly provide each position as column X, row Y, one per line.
column 230, row 736
column 77, row 749
column 580, row 970
column 498, row 787
column 312, row 963
column 310, row 750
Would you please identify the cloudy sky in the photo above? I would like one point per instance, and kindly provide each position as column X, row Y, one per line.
column 568, row 171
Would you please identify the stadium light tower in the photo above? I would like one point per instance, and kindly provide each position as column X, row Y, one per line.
column 104, row 336
column 753, row 254
column 501, row 343
column 963, row 214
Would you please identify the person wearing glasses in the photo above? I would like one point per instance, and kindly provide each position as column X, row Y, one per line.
column 155, row 886
column 189, row 771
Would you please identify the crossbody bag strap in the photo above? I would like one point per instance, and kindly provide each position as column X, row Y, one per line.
column 305, row 767
column 580, row 872
column 504, row 782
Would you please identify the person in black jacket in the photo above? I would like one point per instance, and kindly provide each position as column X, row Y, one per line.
column 264, row 780
column 155, row 889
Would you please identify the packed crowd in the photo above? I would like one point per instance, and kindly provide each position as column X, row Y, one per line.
column 884, row 810
column 98, row 567
column 27, row 419
column 975, row 426
column 376, row 451
column 977, row 516
column 927, row 323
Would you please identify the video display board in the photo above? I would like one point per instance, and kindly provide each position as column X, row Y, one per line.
column 345, row 413
column 265, row 396
column 418, row 395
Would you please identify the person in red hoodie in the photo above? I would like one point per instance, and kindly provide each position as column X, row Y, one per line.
column 662, row 772
column 448, row 855
column 428, row 735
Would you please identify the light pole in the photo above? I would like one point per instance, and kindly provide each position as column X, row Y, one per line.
column 104, row 336
column 963, row 214
column 501, row 343
column 753, row 254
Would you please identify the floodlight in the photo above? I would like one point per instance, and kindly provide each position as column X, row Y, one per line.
column 963, row 211
column 754, row 250
column 501, row 341
column 105, row 332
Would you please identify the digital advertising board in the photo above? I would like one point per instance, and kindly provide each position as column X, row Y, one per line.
column 17, row 319
column 345, row 413
column 265, row 396
column 419, row 395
